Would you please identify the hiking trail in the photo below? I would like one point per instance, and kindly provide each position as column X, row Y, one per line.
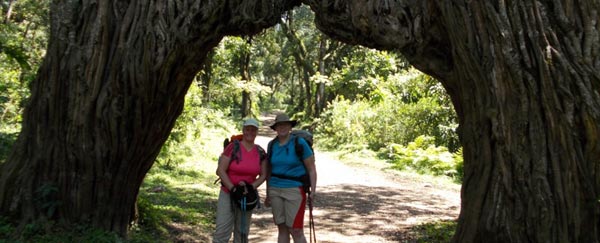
column 360, row 203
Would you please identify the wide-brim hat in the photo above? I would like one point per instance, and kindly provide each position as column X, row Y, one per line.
column 283, row 118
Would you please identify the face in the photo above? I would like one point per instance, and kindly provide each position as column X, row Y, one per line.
column 283, row 129
column 250, row 133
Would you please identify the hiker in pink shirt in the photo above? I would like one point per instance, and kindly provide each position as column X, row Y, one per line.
column 242, row 168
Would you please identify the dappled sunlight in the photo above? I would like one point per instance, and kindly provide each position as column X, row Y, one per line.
column 365, row 203
column 379, row 213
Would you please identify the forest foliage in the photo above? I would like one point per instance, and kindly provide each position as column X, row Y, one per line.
column 23, row 40
column 369, row 99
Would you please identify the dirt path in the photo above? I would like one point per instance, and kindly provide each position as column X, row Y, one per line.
column 365, row 204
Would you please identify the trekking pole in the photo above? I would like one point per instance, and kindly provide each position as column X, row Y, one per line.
column 311, row 221
column 244, row 234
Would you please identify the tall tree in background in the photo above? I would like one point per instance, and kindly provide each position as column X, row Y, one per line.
column 246, row 76
column 312, row 52
column 524, row 80
column 206, row 77
column 105, row 99
column 324, row 54
column 303, row 61
column 9, row 9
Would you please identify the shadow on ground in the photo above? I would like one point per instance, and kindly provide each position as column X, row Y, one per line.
column 343, row 213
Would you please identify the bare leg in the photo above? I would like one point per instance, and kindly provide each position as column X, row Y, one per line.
column 284, row 234
column 298, row 235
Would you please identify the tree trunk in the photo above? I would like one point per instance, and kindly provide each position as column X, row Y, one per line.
column 206, row 78
column 320, row 94
column 523, row 77
column 303, row 62
column 246, row 77
column 9, row 9
column 105, row 99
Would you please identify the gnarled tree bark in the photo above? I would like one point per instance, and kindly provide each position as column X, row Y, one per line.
column 106, row 97
column 523, row 77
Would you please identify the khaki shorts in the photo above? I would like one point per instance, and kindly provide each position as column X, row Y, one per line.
column 288, row 205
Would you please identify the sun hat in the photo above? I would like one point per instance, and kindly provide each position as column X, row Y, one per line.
column 250, row 122
column 281, row 118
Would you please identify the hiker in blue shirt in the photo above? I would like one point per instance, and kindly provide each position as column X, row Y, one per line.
column 286, row 193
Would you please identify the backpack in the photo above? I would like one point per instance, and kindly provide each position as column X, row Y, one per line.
column 295, row 135
column 308, row 137
column 235, row 139
column 235, row 154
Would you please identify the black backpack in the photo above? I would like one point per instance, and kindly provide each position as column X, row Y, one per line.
column 295, row 135
column 235, row 154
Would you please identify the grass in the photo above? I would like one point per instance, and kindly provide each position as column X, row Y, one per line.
column 170, row 199
column 179, row 202
column 435, row 232
column 49, row 232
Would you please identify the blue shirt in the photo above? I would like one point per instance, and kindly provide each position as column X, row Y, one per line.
column 284, row 161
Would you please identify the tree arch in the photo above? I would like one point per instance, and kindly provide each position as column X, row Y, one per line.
column 521, row 74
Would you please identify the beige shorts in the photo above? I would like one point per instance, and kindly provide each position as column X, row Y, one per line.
column 288, row 205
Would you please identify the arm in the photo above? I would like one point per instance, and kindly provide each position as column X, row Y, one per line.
column 269, row 168
column 222, row 171
column 264, row 171
column 309, row 163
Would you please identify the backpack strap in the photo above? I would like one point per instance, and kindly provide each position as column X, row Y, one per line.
column 299, row 149
column 261, row 152
column 299, row 152
column 235, row 154
column 270, row 149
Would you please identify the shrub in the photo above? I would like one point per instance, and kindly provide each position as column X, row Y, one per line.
column 424, row 157
column 398, row 111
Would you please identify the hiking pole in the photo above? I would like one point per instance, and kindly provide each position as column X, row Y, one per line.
column 243, row 221
column 311, row 221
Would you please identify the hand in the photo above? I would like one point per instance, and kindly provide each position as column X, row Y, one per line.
column 267, row 202
column 237, row 192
